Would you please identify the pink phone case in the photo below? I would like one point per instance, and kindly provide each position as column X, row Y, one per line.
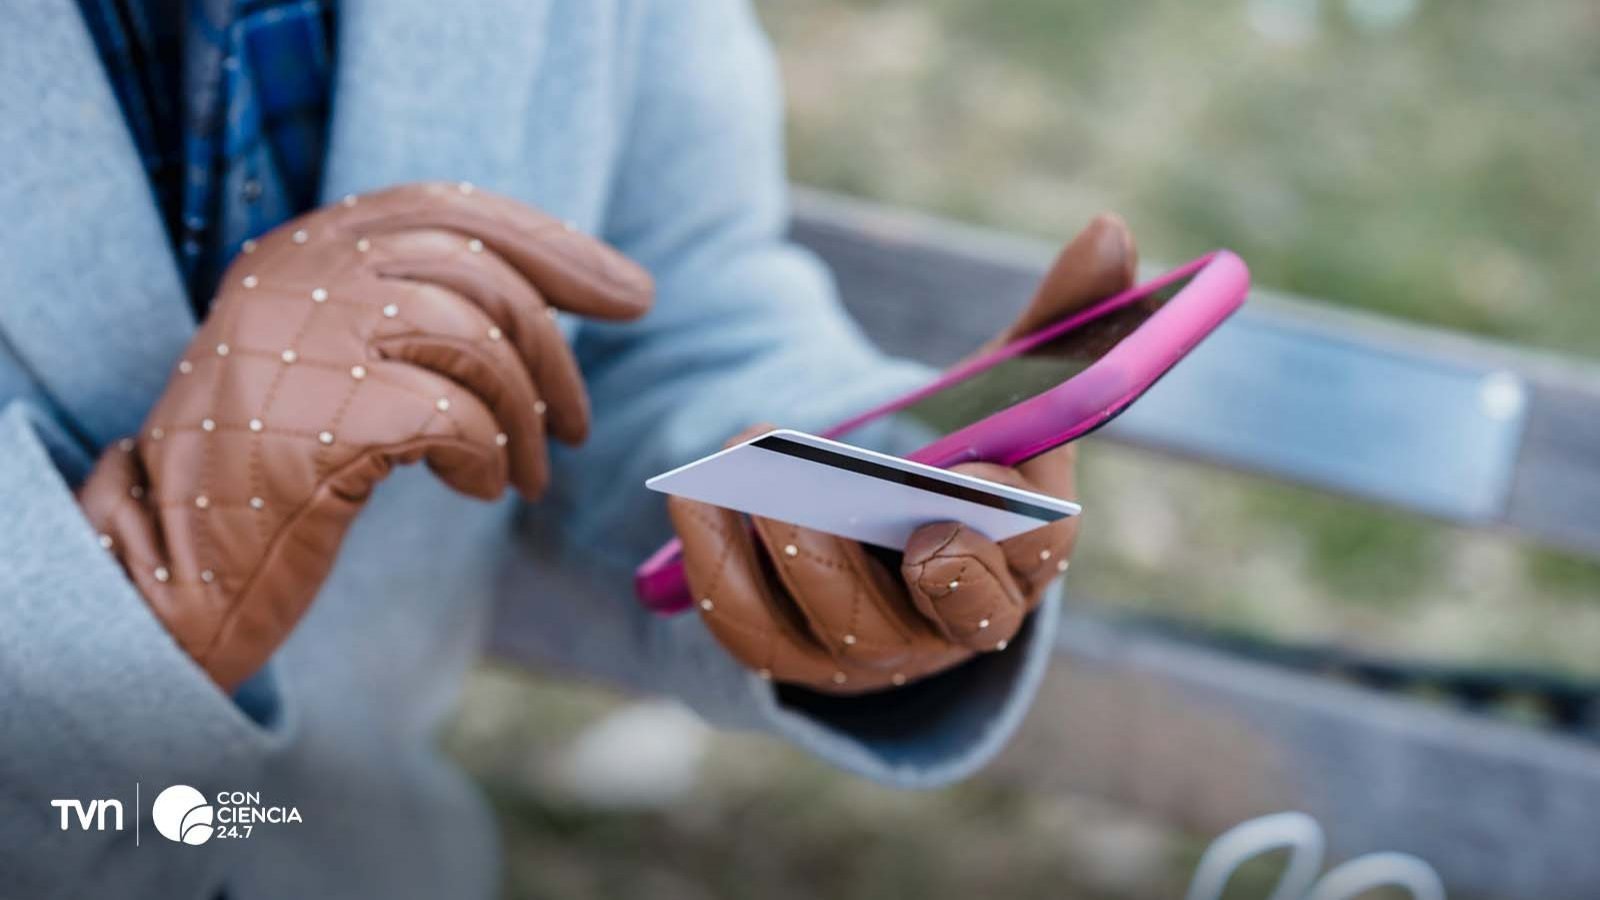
column 1070, row 410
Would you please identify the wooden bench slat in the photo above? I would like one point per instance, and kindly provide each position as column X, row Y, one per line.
column 1555, row 495
column 1281, row 397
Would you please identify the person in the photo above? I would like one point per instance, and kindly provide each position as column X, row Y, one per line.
column 257, row 257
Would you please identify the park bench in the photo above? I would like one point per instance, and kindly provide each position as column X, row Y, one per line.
column 1203, row 731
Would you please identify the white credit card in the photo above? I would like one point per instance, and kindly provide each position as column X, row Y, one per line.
column 871, row 497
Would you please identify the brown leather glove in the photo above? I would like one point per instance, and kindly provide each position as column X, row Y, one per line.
column 820, row 611
column 412, row 324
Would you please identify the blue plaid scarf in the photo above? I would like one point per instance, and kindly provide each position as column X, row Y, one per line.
column 227, row 103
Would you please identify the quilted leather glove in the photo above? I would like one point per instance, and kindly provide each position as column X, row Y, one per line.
column 412, row 324
column 807, row 608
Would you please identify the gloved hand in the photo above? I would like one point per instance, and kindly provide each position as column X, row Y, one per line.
column 412, row 324
column 807, row 608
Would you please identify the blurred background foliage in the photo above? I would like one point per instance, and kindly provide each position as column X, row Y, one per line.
column 1423, row 159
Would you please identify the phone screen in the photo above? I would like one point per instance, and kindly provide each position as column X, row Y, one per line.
column 1010, row 381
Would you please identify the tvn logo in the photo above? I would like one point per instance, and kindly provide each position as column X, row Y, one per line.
column 91, row 815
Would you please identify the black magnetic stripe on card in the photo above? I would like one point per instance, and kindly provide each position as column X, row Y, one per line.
column 882, row 472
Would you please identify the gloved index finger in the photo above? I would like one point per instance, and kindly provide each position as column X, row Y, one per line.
column 1100, row 262
column 574, row 271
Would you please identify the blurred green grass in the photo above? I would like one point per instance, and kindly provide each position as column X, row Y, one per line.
column 765, row 820
column 1440, row 169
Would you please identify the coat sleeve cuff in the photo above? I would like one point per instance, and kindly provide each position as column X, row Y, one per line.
column 87, row 669
column 926, row 735
column 559, row 609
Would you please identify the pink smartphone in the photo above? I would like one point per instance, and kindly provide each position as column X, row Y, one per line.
column 1032, row 395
